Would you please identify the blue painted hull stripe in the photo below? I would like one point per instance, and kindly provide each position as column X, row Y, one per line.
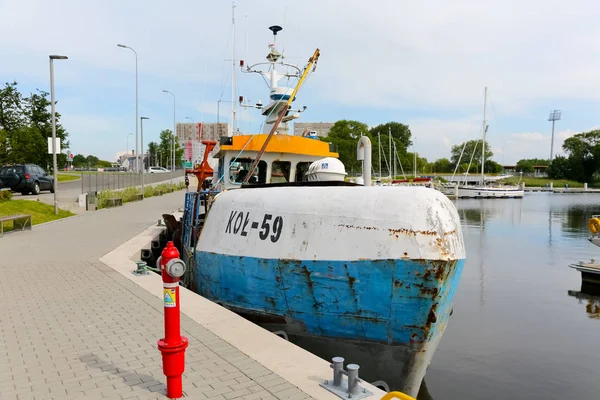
column 389, row 301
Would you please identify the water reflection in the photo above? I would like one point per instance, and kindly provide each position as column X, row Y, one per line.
column 424, row 392
column 503, row 340
column 590, row 296
column 574, row 218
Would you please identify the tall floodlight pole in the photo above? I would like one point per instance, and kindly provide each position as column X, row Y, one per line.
column 136, row 106
column 142, row 146
column 173, row 138
column 554, row 116
column 55, row 180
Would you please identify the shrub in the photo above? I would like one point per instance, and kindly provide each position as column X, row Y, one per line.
column 132, row 193
column 5, row 195
column 148, row 191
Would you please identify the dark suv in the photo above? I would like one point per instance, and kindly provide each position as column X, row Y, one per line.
column 26, row 178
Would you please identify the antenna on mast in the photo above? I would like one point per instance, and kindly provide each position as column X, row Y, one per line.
column 274, row 55
column 233, row 102
column 275, row 29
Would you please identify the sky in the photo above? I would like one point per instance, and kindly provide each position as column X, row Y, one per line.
column 422, row 63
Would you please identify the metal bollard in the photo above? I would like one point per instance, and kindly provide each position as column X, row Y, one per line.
column 338, row 370
column 353, row 378
column 349, row 389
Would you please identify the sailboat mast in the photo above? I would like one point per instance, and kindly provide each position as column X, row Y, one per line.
column 414, row 159
column 484, row 132
column 390, row 148
column 379, row 141
column 233, row 100
column 395, row 152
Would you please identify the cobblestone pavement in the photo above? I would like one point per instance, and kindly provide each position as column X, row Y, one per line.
column 73, row 328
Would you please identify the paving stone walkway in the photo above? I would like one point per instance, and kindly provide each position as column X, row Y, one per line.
column 73, row 328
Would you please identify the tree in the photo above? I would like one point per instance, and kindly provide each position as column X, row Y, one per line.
column 526, row 165
column 25, row 126
column 492, row 167
column 401, row 137
column 92, row 161
column 344, row 135
column 153, row 153
column 11, row 109
column 442, row 165
column 584, row 155
column 11, row 118
column 165, row 148
column 471, row 148
column 79, row 161
column 559, row 168
column 103, row 164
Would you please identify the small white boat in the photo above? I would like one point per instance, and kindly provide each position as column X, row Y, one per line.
column 487, row 191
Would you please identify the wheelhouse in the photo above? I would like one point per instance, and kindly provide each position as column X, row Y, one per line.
column 286, row 158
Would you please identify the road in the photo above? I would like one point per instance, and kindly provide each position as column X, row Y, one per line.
column 68, row 192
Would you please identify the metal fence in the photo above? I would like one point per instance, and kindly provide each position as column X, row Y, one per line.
column 100, row 181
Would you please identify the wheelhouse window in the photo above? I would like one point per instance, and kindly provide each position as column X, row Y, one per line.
column 301, row 170
column 238, row 169
column 280, row 171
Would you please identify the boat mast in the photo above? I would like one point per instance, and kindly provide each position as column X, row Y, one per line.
column 395, row 151
column 312, row 62
column 233, row 67
column 390, row 148
column 415, row 163
column 379, row 141
column 484, row 132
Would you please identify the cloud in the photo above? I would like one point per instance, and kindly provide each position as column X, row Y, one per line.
column 424, row 63
column 433, row 138
column 529, row 136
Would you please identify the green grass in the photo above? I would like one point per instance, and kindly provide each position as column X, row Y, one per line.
column 64, row 177
column 131, row 194
column 40, row 212
column 88, row 172
column 541, row 182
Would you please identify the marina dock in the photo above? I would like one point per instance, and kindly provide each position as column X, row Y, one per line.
column 77, row 323
column 561, row 190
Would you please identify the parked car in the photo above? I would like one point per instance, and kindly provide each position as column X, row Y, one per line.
column 157, row 170
column 26, row 178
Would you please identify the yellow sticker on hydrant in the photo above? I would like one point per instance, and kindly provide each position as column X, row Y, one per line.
column 169, row 296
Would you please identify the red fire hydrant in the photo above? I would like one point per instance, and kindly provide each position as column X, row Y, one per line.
column 173, row 345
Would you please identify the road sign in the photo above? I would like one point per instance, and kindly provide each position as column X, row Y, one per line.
column 57, row 141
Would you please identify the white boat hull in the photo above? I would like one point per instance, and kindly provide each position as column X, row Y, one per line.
column 490, row 192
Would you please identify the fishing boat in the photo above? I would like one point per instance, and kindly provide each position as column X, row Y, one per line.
column 341, row 269
column 486, row 188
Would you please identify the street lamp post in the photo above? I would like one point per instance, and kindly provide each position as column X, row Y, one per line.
column 173, row 138
column 142, row 145
column 136, row 105
column 127, row 145
column 55, row 180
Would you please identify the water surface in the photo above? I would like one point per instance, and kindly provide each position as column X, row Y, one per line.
column 516, row 332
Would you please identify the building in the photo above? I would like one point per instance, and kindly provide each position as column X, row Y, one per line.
column 190, row 137
column 200, row 131
column 539, row 171
column 321, row 128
